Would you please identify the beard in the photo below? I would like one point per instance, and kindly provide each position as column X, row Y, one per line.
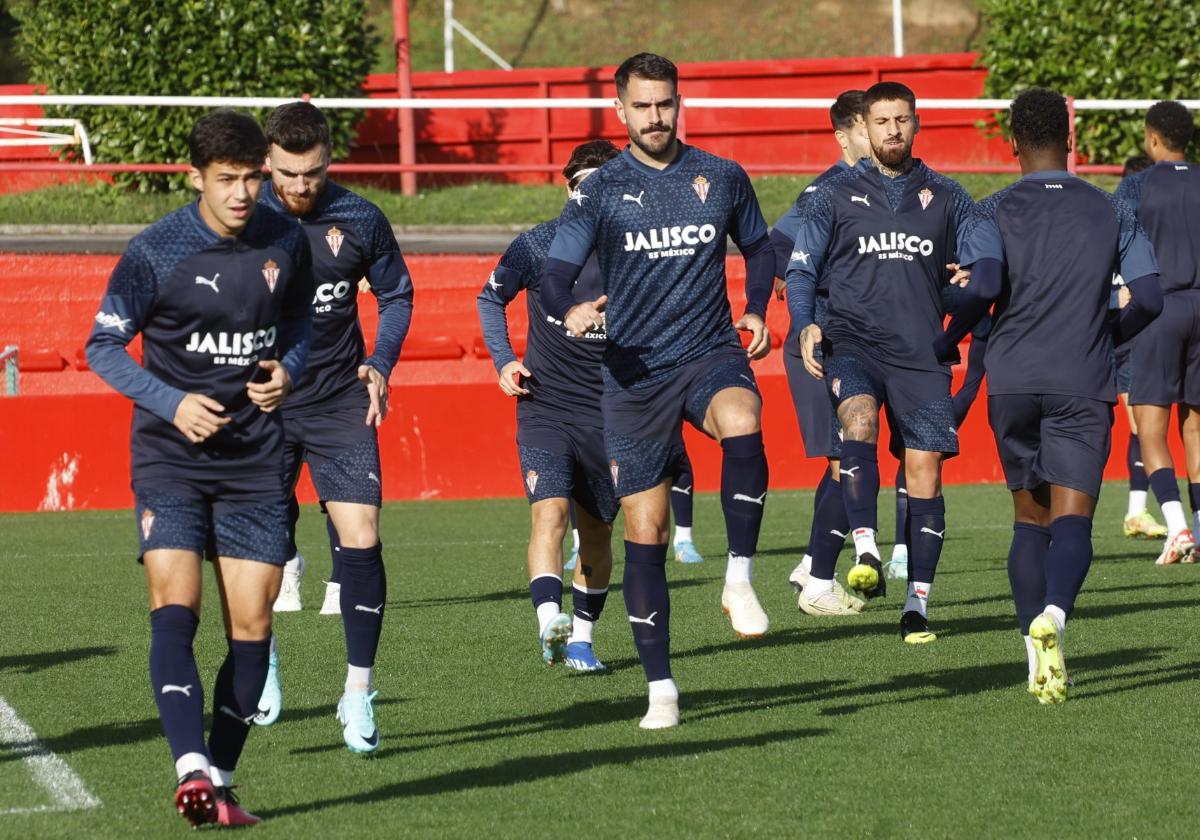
column 893, row 157
column 657, row 145
column 299, row 206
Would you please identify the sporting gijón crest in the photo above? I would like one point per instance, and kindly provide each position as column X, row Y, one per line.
column 334, row 238
column 270, row 272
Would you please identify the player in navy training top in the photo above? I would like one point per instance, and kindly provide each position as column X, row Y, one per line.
column 881, row 237
column 560, row 431
column 657, row 218
column 331, row 418
column 219, row 292
column 814, row 411
column 1138, row 521
column 1165, row 358
column 1045, row 249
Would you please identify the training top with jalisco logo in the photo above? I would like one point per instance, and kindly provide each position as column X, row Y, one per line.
column 209, row 309
column 881, row 246
column 350, row 238
column 659, row 238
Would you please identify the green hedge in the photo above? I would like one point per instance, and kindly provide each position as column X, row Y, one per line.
column 190, row 47
column 1095, row 49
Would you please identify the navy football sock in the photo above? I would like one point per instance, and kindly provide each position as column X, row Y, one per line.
column 1068, row 560
column 175, row 679
column 1137, row 470
column 363, row 597
column 830, row 528
column 588, row 603
column 743, row 491
column 860, row 484
column 545, row 589
column 926, row 534
column 293, row 518
column 681, row 494
column 649, row 607
column 235, row 700
column 1163, row 483
column 1194, row 496
column 901, row 507
column 335, row 551
column 818, row 497
column 1027, row 571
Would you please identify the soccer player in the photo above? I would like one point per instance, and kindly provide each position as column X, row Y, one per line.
column 814, row 412
column 1046, row 248
column 219, row 291
column 560, row 431
column 881, row 236
column 1165, row 359
column 657, row 218
column 332, row 416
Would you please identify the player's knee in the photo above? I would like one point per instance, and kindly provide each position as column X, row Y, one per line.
column 550, row 518
column 362, row 535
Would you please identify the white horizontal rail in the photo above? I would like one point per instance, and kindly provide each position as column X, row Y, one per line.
column 34, row 137
column 564, row 102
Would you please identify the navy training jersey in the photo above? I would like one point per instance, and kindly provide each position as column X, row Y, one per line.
column 783, row 237
column 566, row 382
column 884, row 264
column 659, row 237
column 209, row 308
column 349, row 238
column 1166, row 199
column 1060, row 240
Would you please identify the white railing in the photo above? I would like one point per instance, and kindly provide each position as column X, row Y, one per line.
column 24, row 131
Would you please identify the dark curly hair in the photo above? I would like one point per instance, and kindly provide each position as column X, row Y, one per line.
column 590, row 155
column 888, row 92
column 848, row 108
column 227, row 136
column 1039, row 121
column 297, row 127
column 1172, row 122
column 646, row 66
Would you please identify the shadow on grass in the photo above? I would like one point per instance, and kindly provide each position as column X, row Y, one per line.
column 516, row 771
column 521, row 595
column 31, row 663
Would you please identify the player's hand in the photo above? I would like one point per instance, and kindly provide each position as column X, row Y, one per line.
column 199, row 417
column 586, row 316
column 961, row 276
column 1124, row 296
column 364, row 285
column 946, row 353
column 810, row 340
column 510, row 378
column 760, row 339
column 377, row 392
column 780, row 288
column 269, row 395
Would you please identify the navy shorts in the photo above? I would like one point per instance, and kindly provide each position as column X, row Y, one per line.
column 1166, row 354
column 341, row 450
column 1051, row 439
column 562, row 461
column 213, row 518
column 1124, row 372
column 814, row 410
column 643, row 432
column 921, row 411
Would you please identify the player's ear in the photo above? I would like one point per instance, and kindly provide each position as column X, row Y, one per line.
column 620, row 111
column 916, row 123
column 197, row 178
column 1015, row 151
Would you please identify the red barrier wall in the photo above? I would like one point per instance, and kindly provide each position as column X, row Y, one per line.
column 64, row 444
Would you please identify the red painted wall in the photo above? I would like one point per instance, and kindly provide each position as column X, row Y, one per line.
column 64, row 443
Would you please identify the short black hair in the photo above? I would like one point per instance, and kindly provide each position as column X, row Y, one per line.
column 646, row 66
column 590, row 155
column 297, row 127
column 1039, row 119
column 1173, row 123
column 227, row 135
column 847, row 109
column 1136, row 164
column 888, row 92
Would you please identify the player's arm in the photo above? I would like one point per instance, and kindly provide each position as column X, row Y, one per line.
column 805, row 261
column 573, row 241
column 964, row 398
column 783, row 236
column 1136, row 255
column 126, row 305
column 503, row 285
column 295, row 335
column 980, row 252
column 749, row 233
column 391, row 283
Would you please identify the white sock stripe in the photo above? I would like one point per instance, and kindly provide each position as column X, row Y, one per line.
column 49, row 771
column 550, row 575
column 589, row 591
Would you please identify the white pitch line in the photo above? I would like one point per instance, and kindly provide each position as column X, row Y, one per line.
column 51, row 773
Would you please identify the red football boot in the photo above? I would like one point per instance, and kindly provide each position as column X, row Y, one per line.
column 196, row 798
column 230, row 812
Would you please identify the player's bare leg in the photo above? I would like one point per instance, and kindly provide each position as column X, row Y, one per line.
column 1189, row 424
column 1139, row 522
column 733, row 418
column 859, row 471
column 549, row 519
column 647, row 602
column 1153, row 422
column 926, row 531
column 589, row 589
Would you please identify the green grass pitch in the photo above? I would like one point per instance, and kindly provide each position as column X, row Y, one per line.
column 826, row 727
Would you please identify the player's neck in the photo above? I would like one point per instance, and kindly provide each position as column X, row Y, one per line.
column 902, row 169
column 1165, row 156
column 659, row 161
column 1032, row 162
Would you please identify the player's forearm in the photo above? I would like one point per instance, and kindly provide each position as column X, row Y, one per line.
column 781, row 244
column 112, row 363
column 1145, row 304
column 974, row 378
column 493, row 321
column 558, row 278
column 801, row 297
column 295, row 340
column 987, row 281
column 760, row 275
column 395, row 316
